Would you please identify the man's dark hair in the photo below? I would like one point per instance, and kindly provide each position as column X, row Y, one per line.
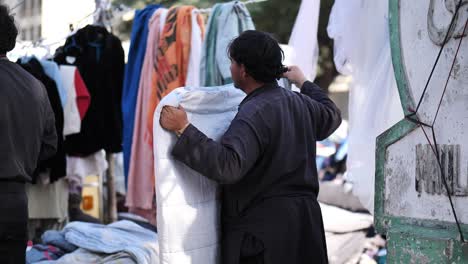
column 8, row 30
column 260, row 54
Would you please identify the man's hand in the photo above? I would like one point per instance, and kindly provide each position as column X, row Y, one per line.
column 174, row 118
column 295, row 75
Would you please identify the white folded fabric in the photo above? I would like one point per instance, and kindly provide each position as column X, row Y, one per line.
column 188, row 207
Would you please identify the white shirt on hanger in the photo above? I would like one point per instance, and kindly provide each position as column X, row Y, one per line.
column 71, row 114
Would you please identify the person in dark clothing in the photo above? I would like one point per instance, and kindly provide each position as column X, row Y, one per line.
column 266, row 159
column 27, row 137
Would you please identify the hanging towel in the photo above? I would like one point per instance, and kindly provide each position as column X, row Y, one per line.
column 227, row 21
column 198, row 32
column 71, row 114
column 188, row 208
column 83, row 99
column 133, row 68
column 172, row 59
column 140, row 188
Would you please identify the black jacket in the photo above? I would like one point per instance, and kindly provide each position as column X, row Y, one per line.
column 27, row 125
column 99, row 57
column 266, row 163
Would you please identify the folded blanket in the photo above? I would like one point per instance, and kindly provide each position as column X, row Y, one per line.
column 57, row 239
column 188, row 209
column 121, row 237
column 43, row 252
column 84, row 256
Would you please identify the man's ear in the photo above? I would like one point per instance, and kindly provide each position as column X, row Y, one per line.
column 243, row 72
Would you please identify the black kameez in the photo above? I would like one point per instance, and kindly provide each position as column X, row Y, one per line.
column 266, row 164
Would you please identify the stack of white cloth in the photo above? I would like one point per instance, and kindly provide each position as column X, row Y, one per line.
column 188, row 206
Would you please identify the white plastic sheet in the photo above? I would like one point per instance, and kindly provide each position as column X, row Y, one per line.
column 362, row 49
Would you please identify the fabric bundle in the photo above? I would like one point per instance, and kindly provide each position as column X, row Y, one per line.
column 120, row 242
column 188, row 206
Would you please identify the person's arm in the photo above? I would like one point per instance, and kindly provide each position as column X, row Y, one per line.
column 225, row 162
column 327, row 117
column 49, row 133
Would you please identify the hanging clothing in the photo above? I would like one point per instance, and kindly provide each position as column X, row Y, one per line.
column 118, row 169
column 52, row 70
column 303, row 40
column 266, row 163
column 47, row 207
column 198, row 32
column 71, row 114
column 48, row 201
column 80, row 167
column 188, row 205
column 140, row 188
column 99, row 57
column 226, row 22
column 83, row 99
column 148, row 214
column 56, row 165
column 172, row 59
column 138, row 40
column 374, row 103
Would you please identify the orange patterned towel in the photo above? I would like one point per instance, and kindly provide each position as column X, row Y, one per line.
column 172, row 58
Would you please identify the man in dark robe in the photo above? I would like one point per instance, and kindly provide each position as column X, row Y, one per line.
column 28, row 136
column 266, row 159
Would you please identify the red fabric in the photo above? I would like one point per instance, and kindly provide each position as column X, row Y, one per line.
column 83, row 99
